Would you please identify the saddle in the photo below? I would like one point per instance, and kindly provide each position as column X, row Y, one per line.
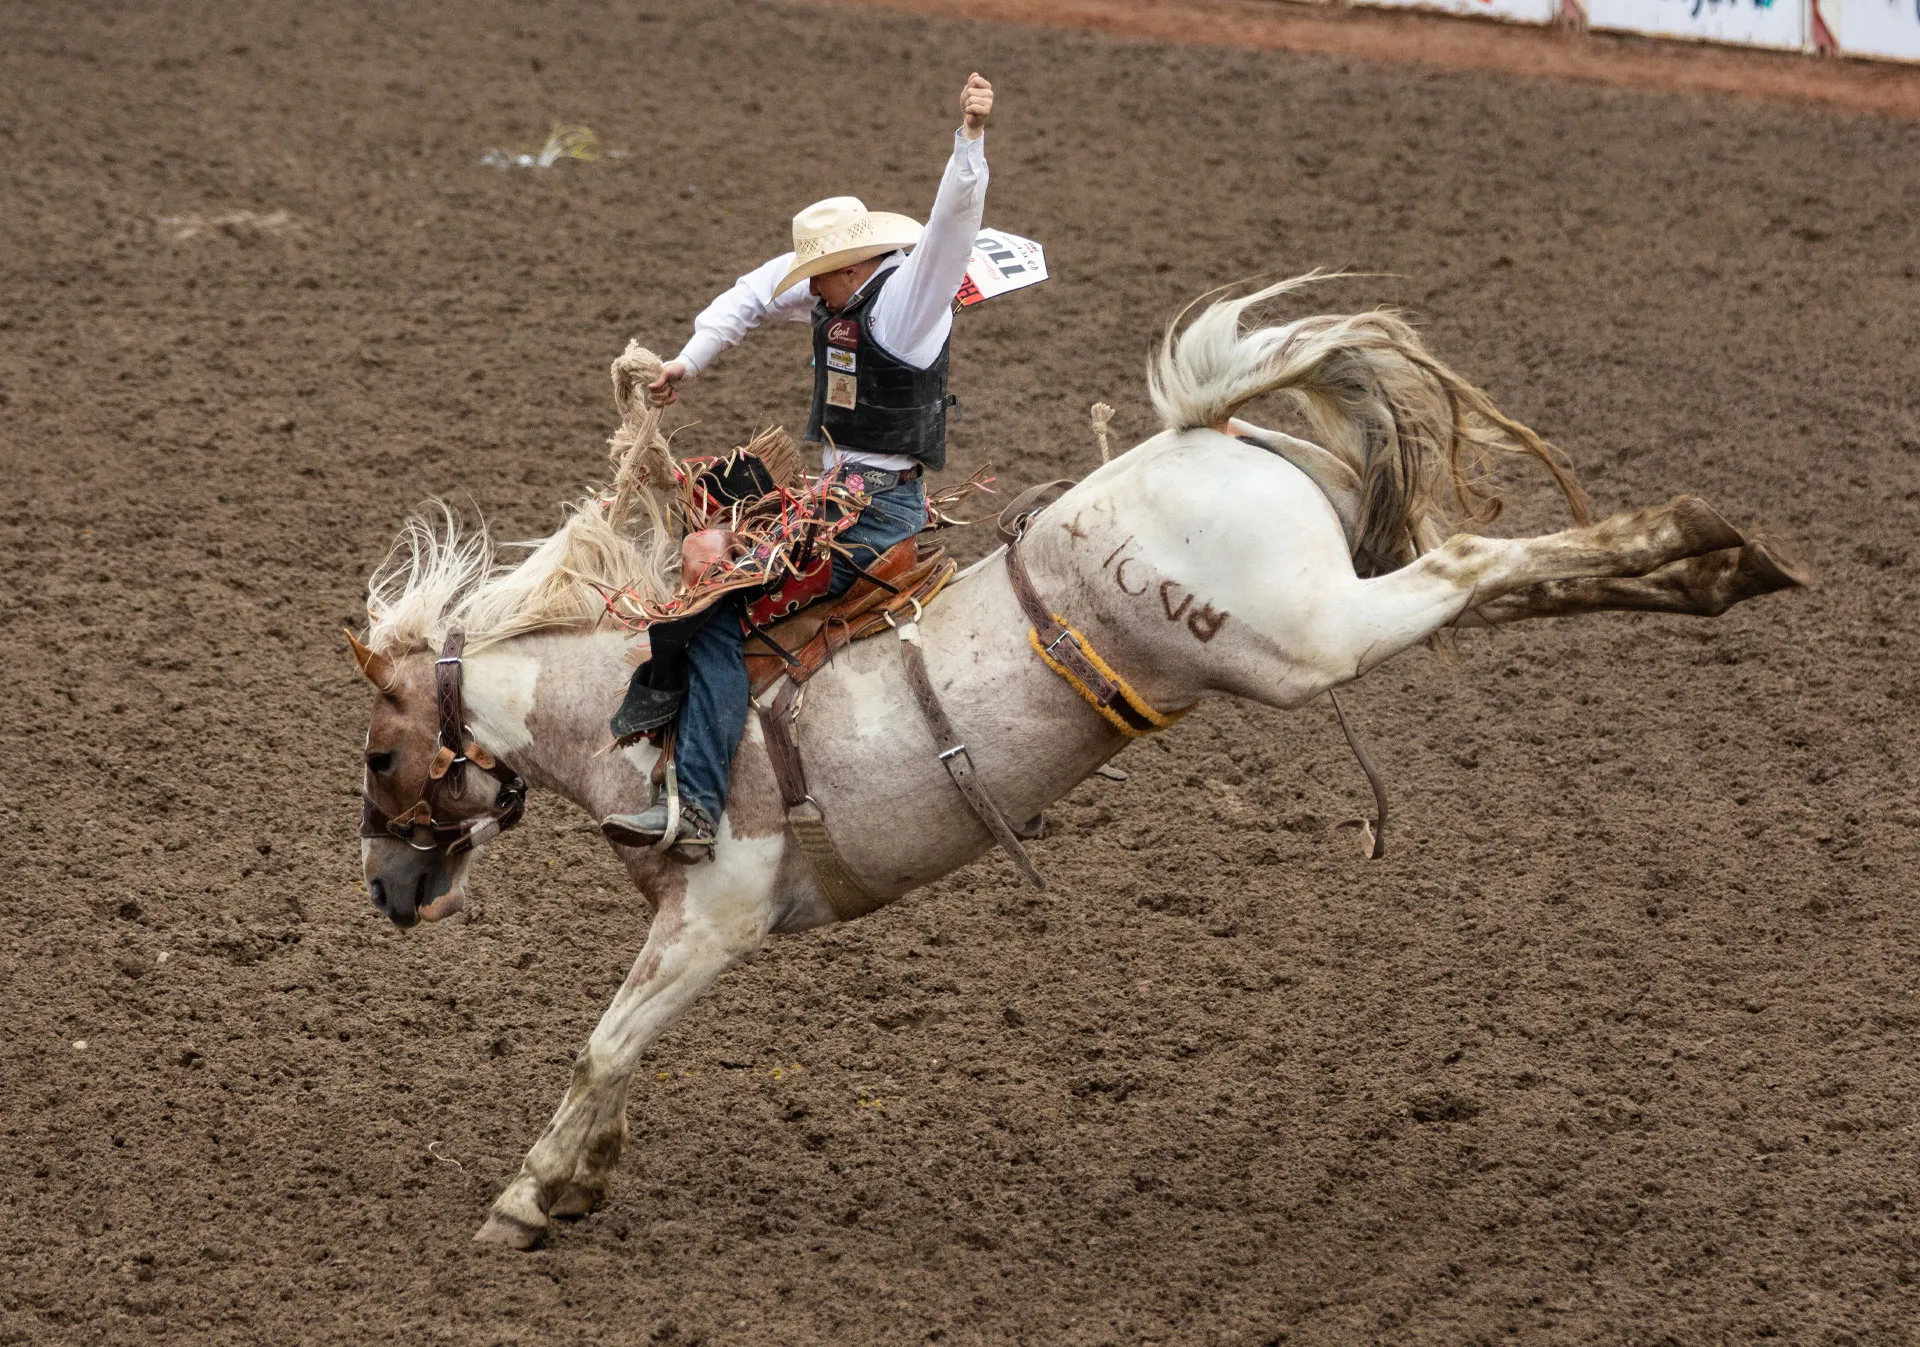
column 904, row 579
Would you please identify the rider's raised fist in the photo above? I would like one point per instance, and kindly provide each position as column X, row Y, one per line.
column 976, row 104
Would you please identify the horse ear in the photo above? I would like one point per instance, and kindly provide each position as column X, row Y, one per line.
column 375, row 668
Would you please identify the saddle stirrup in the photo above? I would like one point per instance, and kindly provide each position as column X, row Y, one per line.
column 671, row 780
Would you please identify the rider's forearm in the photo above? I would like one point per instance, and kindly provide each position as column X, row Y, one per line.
column 701, row 349
column 745, row 305
column 912, row 311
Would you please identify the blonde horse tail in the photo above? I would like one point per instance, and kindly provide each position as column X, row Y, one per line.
column 1413, row 430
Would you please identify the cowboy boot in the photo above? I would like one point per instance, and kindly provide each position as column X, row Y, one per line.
column 692, row 840
column 694, row 843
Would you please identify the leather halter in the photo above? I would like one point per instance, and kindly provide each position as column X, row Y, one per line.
column 447, row 778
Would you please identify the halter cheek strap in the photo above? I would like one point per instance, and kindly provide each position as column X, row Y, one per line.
column 450, row 763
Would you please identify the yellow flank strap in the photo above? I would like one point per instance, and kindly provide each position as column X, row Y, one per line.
column 1153, row 720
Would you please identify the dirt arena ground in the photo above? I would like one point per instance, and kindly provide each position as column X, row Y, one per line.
column 1617, row 1046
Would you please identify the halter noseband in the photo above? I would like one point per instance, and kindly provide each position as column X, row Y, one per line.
column 448, row 775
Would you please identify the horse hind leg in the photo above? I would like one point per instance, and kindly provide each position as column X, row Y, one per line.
column 1684, row 527
column 1633, row 542
column 1766, row 567
column 1353, row 632
column 1699, row 586
column 1471, row 570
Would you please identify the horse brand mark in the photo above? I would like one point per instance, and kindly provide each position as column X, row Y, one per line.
column 1119, row 565
column 1166, row 601
column 1206, row 623
column 1074, row 531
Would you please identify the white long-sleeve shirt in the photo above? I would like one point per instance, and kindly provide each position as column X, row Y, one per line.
column 912, row 316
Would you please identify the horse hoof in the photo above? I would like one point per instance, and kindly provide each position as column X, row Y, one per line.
column 1772, row 567
column 1703, row 527
column 516, row 1221
column 576, row 1201
column 509, row 1233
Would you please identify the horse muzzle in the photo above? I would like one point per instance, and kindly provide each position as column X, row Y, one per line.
column 410, row 885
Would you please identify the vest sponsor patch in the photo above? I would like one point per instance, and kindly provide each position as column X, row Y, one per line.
column 841, row 389
column 843, row 332
column 839, row 359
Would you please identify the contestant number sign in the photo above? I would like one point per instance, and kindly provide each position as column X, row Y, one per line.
column 1001, row 262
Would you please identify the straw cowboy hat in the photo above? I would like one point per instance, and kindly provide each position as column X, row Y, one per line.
column 840, row 231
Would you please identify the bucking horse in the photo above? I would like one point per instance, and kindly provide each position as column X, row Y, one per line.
column 1216, row 557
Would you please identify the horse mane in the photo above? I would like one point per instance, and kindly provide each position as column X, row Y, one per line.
column 440, row 577
column 1412, row 430
column 443, row 576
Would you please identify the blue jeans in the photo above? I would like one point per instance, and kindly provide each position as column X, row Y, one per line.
column 715, row 714
column 891, row 517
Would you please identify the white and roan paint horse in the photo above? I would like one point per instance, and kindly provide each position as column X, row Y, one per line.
column 1198, row 563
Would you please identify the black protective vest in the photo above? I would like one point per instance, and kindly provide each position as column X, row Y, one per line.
column 866, row 399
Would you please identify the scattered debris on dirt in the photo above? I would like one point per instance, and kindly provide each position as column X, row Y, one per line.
column 564, row 142
column 240, row 224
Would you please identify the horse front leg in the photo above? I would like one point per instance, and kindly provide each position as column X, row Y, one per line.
column 722, row 916
column 1700, row 586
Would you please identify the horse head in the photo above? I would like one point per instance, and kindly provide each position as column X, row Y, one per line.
column 423, row 812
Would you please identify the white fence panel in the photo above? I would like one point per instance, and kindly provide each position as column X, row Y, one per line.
column 1754, row 23
column 1876, row 27
column 1514, row 11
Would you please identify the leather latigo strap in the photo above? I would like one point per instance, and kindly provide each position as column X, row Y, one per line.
column 844, row 893
column 954, row 756
column 775, row 725
column 1376, row 832
column 1062, row 645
